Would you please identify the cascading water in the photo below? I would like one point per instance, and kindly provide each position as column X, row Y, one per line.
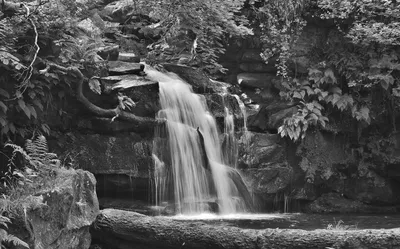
column 189, row 167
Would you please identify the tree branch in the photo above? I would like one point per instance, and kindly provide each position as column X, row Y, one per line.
column 139, row 122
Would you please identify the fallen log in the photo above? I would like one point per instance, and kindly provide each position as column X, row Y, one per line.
column 123, row 229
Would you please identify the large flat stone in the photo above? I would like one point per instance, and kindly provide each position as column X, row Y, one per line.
column 127, row 154
column 252, row 55
column 196, row 78
column 129, row 57
column 258, row 67
column 121, row 67
column 256, row 80
column 125, row 82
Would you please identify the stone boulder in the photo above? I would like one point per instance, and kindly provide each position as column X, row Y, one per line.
column 269, row 180
column 60, row 217
column 122, row 162
column 260, row 150
column 217, row 103
column 271, row 117
column 128, row 154
column 128, row 57
column 257, row 67
column 197, row 79
column 256, row 80
column 122, row 67
column 337, row 203
column 123, row 83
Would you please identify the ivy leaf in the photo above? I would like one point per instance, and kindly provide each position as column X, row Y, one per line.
column 364, row 112
column 3, row 121
column 45, row 128
column 297, row 95
column 23, row 107
column 318, row 105
column 12, row 128
column 94, row 85
column 3, row 107
column 309, row 90
column 336, row 90
column 32, row 110
column 336, row 98
column 4, row 93
column 38, row 104
column 386, row 81
column 396, row 91
column 329, row 75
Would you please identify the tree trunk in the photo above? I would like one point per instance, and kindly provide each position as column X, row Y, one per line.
column 123, row 229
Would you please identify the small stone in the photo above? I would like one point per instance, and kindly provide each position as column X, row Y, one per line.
column 129, row 57
column 121, row 67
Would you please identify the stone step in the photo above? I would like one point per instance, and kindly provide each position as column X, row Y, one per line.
column 124, row 82
column 109, row 53
column 122, row 67
column 257, row 67
column 129, row 57
column 256, row 80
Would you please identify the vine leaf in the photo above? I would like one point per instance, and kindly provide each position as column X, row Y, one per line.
column 3, row 107
column 24, row 108
column 4, row 93
column 94, row 85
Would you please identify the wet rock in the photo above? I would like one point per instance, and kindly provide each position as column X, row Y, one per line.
column 118, row 11
column 121, row 67
column 217, row 103
column 129, row 57
column 61, row 216
column 89, row 27
column 260, row 67
column 269, row 180
column 123, row 83
column 337, row 203
column 252, row 55
column 276, row 119
column 259, row 150
column 272, row 116
column 373, row 189
column 109, row 52
column 256, row 80
column 128, row 154
column 197, row 79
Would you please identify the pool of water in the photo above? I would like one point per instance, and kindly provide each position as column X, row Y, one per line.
column 297, row 221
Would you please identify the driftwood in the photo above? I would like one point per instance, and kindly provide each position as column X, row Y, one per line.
column 123, row 229
column 138, row 122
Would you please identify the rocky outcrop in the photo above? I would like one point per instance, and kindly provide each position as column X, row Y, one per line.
column 337, row 203
column 60, row 216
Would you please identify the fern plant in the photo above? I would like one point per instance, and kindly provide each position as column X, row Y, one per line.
column 9, row 239
column 36, row 153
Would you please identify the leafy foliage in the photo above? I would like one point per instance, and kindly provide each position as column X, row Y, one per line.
column 6, row 238
column 197, row 28
column 37, row 159
column 314, row 95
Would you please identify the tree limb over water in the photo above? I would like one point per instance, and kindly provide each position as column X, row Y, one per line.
column 123, row 229
column 117, row 112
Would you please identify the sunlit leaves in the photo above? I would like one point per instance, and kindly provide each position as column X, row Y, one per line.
column 95, row 86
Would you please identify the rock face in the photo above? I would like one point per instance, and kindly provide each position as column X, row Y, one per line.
column 60, row 217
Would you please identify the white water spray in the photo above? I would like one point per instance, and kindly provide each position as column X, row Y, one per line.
column 179, row 152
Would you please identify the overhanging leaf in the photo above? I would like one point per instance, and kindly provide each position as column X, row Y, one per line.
column 95, row 86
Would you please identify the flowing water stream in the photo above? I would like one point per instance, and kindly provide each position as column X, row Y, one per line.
column 190, row 170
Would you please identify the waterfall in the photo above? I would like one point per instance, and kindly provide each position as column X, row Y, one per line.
column 189, row 167
column 246, row 134
column 230, row 144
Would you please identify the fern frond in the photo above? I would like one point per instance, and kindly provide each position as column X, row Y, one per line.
column 11, row 239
